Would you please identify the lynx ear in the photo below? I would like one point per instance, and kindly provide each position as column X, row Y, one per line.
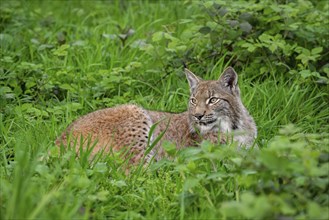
column 192, row 79
column 229, row 79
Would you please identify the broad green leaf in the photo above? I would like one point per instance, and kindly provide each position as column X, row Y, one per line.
column 119, row 183
column 169, row 147
column 315, row 211
column 305, row 73
column 245, row 27
column 208, row 4
column 205, row 30
column 157, row 36
column 100, row 167
column 316, row 50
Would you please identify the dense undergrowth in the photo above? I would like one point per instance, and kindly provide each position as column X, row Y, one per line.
column 62, row 59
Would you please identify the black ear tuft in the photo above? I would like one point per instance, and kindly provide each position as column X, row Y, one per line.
column 184, row 65
column 229, row 78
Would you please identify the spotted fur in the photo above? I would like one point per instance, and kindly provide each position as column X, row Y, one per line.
column 215, row 109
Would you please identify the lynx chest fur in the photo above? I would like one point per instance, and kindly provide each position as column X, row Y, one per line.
column 215, row 110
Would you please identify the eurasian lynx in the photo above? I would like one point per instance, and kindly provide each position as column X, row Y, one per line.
column 215, row 112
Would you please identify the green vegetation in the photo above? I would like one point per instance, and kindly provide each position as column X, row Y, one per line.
column 62, row 59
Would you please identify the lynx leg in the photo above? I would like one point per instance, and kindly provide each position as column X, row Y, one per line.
column 214, row 137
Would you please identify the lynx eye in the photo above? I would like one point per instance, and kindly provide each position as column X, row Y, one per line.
column 193, row 101
column 213, row 100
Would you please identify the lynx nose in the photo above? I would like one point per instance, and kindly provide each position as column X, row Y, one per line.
column 199, row 116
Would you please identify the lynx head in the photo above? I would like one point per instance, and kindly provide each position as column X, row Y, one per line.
column 216, row 104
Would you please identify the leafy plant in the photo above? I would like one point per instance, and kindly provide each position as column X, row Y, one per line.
column 60, row 60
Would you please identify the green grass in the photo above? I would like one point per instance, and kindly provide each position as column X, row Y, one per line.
column 45, row 83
